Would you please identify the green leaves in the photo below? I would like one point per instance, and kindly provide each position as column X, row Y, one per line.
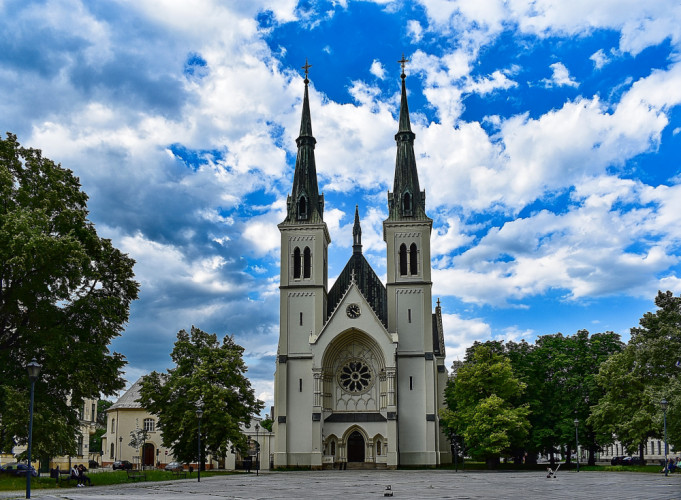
column 65, row 294
column 208, row 374
column 482, row 404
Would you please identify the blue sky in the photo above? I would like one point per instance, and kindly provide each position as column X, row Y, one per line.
column 548, row 140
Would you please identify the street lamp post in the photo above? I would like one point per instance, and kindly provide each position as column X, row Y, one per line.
column 199, row 414
column 577, row 441
column 257, row 450
column 33, row 369
column 664, row 405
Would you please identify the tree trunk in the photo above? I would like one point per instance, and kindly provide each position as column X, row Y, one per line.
column 641, row 452
column 592, row 455
column 568, row 455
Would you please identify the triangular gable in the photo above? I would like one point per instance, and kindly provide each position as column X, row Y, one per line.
column 368, row 321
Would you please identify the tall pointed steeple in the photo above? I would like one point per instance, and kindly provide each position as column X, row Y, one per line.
column 305, row 204
column 406, row 200
column 356, row 234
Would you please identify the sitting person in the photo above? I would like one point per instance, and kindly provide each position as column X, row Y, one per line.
column 83, row 476
column 671, row 465
column 75, row 474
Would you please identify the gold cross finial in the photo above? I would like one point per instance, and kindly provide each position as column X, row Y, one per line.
column 402, row 62
column 306, row 68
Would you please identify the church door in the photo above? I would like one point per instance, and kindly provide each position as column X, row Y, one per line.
column 356, row 447
column 148, row 454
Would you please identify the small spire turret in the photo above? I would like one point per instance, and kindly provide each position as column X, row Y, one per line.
column 356, row 234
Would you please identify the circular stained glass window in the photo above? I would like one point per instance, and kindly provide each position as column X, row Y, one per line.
column 355, row 376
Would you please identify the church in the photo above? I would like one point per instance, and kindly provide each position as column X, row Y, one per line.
column 360, row 369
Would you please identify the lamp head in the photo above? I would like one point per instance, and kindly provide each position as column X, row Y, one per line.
column 664, row 404
column 576, row 422
column 257, row 427
column 199, row 412
column 33, row 369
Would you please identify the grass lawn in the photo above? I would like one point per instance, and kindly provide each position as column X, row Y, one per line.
column 14, row 483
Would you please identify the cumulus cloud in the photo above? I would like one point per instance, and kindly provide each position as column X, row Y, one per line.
column 377, row 69
column 561, row 77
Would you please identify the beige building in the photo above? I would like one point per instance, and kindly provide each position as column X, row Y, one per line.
column 127, row 415
column 124, row 417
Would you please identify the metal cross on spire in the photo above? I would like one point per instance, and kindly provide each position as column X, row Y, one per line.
column 306, row 68
column 402, row 62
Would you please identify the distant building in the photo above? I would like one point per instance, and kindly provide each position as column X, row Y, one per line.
column 127, row 415
column 652, row 451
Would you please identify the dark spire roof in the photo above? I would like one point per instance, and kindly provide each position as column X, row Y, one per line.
column 305, row 205
column 358, row 270
column 406, row 201
column 368, row 283
column 356, row 234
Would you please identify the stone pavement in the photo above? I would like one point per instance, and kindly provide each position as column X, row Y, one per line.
column 406, row 484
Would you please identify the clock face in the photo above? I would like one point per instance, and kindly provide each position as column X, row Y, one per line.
column 353, row 311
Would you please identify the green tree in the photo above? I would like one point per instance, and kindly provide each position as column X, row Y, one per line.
column 65, row 293
column 644, row 373
column 208, row 374
column 483, row 406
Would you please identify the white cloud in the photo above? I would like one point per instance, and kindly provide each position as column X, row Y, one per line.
column 561, row 77
column 414, row 31
column 599, row 58
column 377, row 69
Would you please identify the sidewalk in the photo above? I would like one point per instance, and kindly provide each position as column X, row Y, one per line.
column 406, row 484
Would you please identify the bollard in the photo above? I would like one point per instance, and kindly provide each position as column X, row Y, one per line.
column 388, row 491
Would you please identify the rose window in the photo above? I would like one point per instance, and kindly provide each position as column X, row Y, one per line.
column 355, row 376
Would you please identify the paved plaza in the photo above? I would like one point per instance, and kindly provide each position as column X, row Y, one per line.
column 347, row 485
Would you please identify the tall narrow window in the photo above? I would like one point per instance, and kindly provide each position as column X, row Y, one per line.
column 296, row 263
column 301, row 319
column 403, row 259
column 111, row 453
column 409, row 315
column 378, row 448
column 407, row 204
column 307, row 263
column 79, row 452
column 333, row 447
column 411, row 383
column 413, row 260
column 93, row 415
column 300, row 385
column 302, row 208
column 113, row 424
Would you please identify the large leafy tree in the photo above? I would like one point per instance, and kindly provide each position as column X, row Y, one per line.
column 484, row 405
column 65, row 293
column 645, row 372
column 210, row 375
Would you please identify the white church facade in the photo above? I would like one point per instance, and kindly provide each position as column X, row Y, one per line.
column 360, row 371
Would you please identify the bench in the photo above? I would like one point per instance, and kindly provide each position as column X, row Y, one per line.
column 62, row 476
column 136, row 475
column 179, row 473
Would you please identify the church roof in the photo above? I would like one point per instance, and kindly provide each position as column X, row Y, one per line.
column 305, row 205
column 129, row 399
column 359, row 270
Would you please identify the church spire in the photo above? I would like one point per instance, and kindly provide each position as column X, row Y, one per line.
column 305, row 204
column 407, row 200
column 356, row 234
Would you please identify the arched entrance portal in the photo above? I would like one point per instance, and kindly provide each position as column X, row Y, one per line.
column 148, row 454
column 355, row 447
